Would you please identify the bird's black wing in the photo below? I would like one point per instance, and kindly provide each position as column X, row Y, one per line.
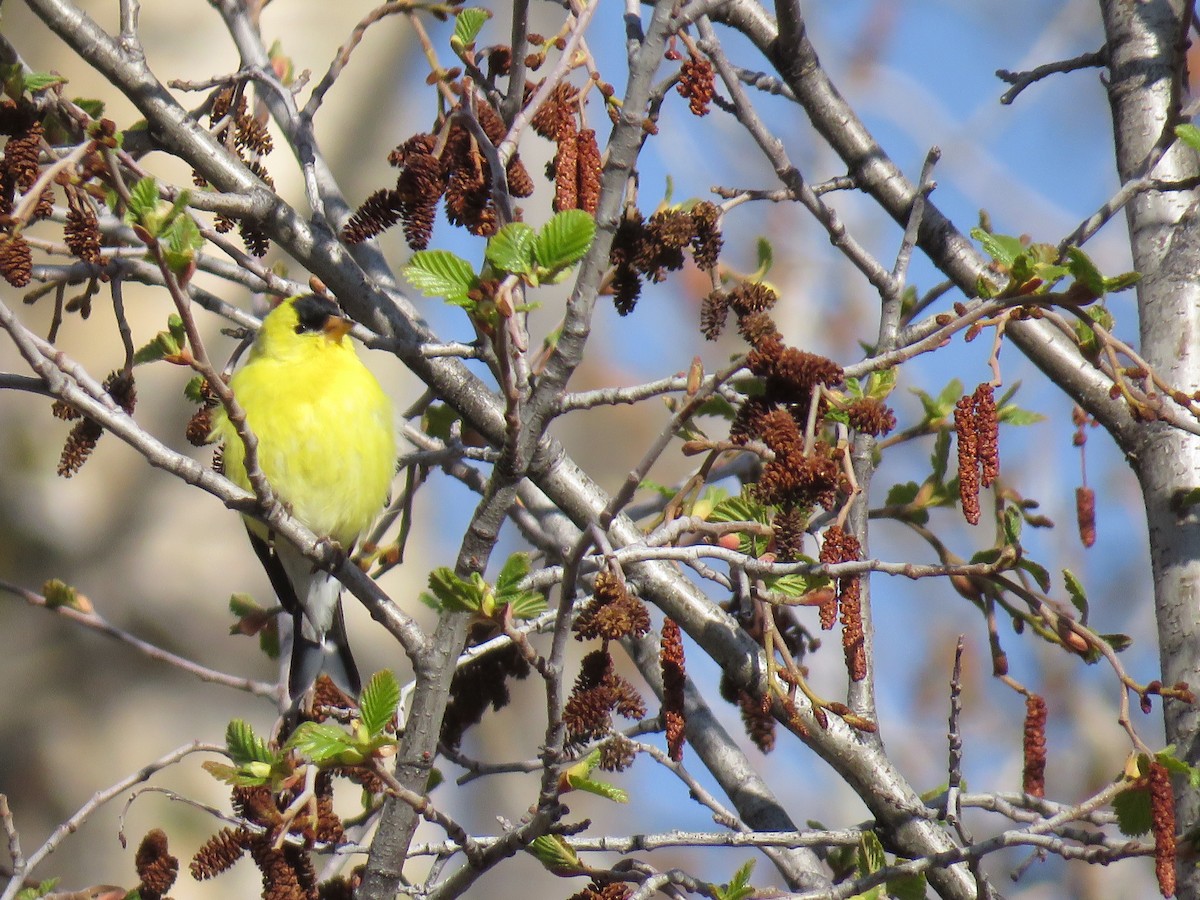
column 279, row 580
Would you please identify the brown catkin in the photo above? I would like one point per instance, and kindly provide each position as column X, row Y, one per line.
column 749, row 297
column 81, row 234
column 1085, row 514
column 714, row 312
column 1162, row 810
column 617, row 753
column 595, row 891
column 155, row 866
column 378, row 212
column 566, row 166
column 21, row 155
column 481, row 683
column 696, row 83
column 1033, row 780
column 758, row 722
column 707, row 240
column 612, row 613
column 558, row 106
column 219, row 853
column 674, row 679
column 968, row 458
column 841, row 546
column 987, row 430
column 588, row 170
column 870, row 416
column 16, row 260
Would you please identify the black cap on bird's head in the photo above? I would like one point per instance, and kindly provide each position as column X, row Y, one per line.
column 316, row 315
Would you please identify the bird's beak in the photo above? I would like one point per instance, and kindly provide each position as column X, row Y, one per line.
column 337, row 328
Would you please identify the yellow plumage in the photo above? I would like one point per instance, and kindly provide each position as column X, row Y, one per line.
column 327, row 446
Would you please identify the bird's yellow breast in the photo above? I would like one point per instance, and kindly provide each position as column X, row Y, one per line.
column 325, row 435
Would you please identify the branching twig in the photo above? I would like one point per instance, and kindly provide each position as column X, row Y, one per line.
column 1022, row 80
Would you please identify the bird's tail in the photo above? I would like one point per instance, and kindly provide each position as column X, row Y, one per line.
column 330, row 655
column 319, row 642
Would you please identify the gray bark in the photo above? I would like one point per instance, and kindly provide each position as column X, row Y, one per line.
column 1146, row 45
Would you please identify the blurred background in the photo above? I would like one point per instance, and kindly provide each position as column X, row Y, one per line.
column 160, row 560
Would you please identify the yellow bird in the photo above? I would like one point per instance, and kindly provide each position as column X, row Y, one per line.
column 327, row 446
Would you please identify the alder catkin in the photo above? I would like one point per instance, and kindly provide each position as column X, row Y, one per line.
column 1034, row 773
column 1162, row 810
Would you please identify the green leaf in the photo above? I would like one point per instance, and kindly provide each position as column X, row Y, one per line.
column 268, row 641
column 1003, row 248
column 39, row 81
column 837, row 415
column 1078, row 594
column 939, row 460
column 164, row 344
column 244, row 746
column 525, row 604
column 915, row 499
column 663, row 490
column 1173, row 764
column 378, row 702
column 796, row 584
column 910, row 887
column 1038, row 571
column 60, row 594
column 871, row 857
column 449, row 592
column 91, row 106
column 323, row 742
column 942, row 406
column 194, row 389
column 511, row 248
column 440, row 273
column 986, row 557
column 183, row 239
column 949, row 396
column 468, row 23
column 564, row 240
column 438, row 420
column 230, row 775
column 1085, row 271
column 1012, row 525
column 176, row 328
column 738, row 887
column 1014, row 415
column 244, row 605
column 744, row 508
column 599, row 788
column 765, row 255
column 33, row 893
column 1189, row 134
column 902, row 494
column 553, row 852
column 881, row 384
column 516, row 567
column 143, row 199
column 1122, row 282
column 1088, row 342
column 1134, row 817
column 707, row 501
column 253, row 619
column 1118, row 642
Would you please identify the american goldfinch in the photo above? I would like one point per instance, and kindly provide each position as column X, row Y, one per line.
column 327, row 447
